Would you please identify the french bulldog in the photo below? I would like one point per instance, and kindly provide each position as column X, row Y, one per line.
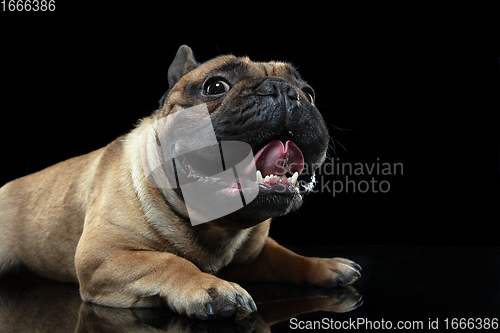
column 120, row 220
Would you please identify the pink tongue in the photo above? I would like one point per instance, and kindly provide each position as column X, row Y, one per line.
column 278, row 159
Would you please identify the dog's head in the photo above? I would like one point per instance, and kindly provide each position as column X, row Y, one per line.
column 259, row 118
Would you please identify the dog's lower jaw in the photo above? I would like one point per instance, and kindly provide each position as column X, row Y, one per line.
column 264, row 207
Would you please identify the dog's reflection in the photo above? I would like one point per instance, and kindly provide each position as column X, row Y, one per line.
column 37, row 305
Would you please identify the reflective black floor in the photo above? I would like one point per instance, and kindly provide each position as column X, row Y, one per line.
column 410, row 286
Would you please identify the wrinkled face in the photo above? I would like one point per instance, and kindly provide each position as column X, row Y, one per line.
column 265, row 106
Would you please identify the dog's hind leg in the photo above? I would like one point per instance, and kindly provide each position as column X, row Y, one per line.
column 7, row 260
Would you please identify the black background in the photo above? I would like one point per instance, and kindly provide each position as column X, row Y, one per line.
column 408, row 90
column 411, row 85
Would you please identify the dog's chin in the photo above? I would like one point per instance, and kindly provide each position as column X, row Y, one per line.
column 263, row 207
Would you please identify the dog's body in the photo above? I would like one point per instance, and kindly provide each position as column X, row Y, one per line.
column 96, row 220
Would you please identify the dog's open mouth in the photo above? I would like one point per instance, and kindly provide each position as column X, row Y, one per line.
column 276, row 168
column 244, row 183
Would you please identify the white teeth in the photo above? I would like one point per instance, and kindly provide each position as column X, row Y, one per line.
column 259, row 177
column 292, row 180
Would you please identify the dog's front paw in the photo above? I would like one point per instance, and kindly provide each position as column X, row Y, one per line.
column 333, row 272
column 208, row 297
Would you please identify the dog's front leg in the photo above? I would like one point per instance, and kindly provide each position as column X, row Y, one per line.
column 276, row 263
column 126, row 278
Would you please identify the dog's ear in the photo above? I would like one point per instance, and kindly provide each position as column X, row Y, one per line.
column 183, row 63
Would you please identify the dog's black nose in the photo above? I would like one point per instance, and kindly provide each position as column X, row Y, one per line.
column 278, row 89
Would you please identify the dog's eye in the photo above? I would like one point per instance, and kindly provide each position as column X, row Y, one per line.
column 216, row 86
column 309, row 94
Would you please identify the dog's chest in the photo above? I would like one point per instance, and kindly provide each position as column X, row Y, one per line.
column 214, row 253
